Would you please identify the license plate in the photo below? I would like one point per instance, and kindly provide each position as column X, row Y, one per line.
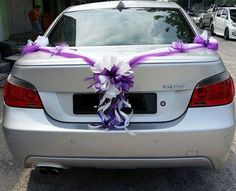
column 142, row 103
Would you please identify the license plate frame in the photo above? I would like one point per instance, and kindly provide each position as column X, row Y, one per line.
column 142, row 103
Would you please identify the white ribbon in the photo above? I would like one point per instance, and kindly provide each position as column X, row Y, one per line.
column 41, row 41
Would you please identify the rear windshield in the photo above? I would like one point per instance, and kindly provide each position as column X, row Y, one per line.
column 133, row 26
column 233, row 15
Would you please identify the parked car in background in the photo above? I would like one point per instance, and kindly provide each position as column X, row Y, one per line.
column 207, row 17
column 197, row 18
column 224, row 23
column 183, row 104
column 191, row 13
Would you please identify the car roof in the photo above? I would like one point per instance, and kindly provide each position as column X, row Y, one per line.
column 232, row 8
column 128, row 4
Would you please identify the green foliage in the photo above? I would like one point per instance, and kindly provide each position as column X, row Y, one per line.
column 184, row 3
column 226, row 2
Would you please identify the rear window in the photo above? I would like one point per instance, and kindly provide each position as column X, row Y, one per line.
column 133, row 26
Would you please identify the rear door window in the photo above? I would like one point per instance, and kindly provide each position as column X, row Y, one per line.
column 219, row 13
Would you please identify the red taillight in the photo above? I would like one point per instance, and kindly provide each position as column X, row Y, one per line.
column 215, row 91
column 21, row 94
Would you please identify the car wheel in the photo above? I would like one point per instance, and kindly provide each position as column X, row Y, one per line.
column 212, row 30
column 226, row 34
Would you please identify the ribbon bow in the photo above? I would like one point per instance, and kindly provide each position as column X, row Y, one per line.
column 112, row 78
column 180, row 46
column 206, row 41
column 31, row 46
column 57, row 50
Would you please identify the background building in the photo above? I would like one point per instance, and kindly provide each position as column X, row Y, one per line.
column 14, row 13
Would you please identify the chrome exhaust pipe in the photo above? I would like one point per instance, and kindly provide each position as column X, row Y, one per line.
column 49, row 170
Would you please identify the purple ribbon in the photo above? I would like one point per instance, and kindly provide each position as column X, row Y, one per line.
column 179, row 47
column 109, row 117
column 209, row 43
column 30, row 48
column 111, row 106
column 138, row 59
column 121, row 82
column 55, row 51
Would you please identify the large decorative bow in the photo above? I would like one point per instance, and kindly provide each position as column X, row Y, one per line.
column 112, row 78
column 206, row 41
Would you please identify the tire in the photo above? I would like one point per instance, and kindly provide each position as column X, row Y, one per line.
column 212, row 30
column 226, row 34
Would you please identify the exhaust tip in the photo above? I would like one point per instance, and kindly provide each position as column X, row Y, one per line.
column 49, row 170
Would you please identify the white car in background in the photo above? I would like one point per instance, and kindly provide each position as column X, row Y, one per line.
column 197, row 18
column 224, row 23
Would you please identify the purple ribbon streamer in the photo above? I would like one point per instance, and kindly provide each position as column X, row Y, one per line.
column 206, row 43
column 123, row 83
column 34, row 48
column 30, row 48
column 137, row 60
column 178, row 47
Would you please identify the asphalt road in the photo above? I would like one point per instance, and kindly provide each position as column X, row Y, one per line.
column 14, row 178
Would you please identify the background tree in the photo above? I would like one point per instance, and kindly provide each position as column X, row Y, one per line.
column 230, row 2
column 184, row 3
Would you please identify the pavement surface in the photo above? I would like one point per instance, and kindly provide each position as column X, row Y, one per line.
column 15, row 178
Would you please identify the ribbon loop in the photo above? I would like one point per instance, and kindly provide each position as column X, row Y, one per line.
column 31, row 46
column 179, row 45
column 206, row 41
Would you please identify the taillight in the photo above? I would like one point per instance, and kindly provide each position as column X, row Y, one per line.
column 19, row 93
column 214, row 91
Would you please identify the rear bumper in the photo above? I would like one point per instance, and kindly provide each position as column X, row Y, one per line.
column 125, row 163
column 201, row 137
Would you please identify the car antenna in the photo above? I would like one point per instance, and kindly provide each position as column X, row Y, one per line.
column 120, row 6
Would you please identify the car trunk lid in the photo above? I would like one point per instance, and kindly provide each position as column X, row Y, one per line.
column 171, row 78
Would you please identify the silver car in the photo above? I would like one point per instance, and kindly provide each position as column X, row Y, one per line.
column 183, row 103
